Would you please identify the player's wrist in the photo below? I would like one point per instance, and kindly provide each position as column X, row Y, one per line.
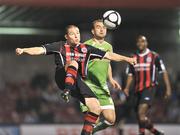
column 23, row 50
column 126, row 89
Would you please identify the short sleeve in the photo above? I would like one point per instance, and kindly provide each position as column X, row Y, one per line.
column 52, row 48
column 130, row 70
column 159, row 64
column 95, row 52
column 110, row 49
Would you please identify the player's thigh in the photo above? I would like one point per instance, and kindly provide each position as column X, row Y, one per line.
column 60, row 77
column 145, row 98
column 93, row 105
column 84, row 91
column 143, row 109
column 109, row 115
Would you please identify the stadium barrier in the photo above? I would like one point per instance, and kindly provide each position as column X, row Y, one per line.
column 68, row 129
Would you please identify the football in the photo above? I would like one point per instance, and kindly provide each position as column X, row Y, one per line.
column 111, row 19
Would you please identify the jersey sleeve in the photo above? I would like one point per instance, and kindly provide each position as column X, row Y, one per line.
column 130, row 70
column 52, row 48
column 110, row 48
column 95, row 52
column 159, row 64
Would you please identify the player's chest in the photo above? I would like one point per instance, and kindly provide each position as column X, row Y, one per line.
column 77, row 54
column 144, row 63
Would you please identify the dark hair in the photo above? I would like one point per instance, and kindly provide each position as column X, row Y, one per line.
column 95, row 21
column 68, row 27
column 139, row 37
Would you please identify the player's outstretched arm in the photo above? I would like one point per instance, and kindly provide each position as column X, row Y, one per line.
column 117, row 57
column 30, row 51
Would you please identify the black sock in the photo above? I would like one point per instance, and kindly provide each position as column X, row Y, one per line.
column 142, row 126
column 150, row 127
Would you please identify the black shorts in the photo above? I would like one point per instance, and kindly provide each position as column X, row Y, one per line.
column 80, row 91
column 145, row 97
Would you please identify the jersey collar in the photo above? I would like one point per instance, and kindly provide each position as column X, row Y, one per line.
column 72, row 46
column 145, row 53
column 97, row 42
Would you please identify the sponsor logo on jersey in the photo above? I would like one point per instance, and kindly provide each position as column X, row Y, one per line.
column 149, row 59
column 84, row 50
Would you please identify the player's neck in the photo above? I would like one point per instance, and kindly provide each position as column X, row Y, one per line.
column 99, row 41
column 71, row 44
column 142, row 51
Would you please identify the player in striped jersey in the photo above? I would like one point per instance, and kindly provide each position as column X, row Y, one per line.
column 71, row 58
column 144, row 75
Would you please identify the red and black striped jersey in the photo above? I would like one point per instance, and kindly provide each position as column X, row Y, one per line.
column 65, row 53
column 144, row 72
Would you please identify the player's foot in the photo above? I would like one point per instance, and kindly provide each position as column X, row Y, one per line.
column 160, row 133
column 66, row 95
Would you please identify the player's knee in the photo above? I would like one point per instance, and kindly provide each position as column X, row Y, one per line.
column 110, row 117
column 93, row 105
column 74, row 64
column 111, row 120
column 142, row 117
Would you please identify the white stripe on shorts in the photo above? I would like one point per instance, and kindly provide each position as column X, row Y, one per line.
column 111, row 107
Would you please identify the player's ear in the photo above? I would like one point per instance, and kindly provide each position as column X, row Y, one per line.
column 92, row 31
column 65, row 36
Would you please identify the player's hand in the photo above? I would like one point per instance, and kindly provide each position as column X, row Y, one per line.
column 19, row 51
column 126, row 92
column 115, row 84
column 132, row 61
column 167, row 94
column 66, row 95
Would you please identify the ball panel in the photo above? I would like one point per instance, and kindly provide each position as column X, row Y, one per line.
column 119, row 18
column 109, row 24
column 106, row 14
column 113, row 17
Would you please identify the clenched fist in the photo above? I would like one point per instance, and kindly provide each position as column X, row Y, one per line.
column 19, row 51
column 132, row 61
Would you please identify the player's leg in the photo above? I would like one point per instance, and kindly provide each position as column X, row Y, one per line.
column 87, row 97
column 91, row 116
column 142, row 111
column 145, row 122
column 71, row 75
column 108, row 113
column 107, row 120
column 70, row 79
column 145, row 102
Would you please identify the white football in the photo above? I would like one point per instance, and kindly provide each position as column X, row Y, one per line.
column 111, row 19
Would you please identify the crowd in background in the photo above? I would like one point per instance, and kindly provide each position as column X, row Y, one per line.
column 39, row 101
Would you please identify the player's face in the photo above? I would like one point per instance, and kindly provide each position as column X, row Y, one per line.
column 73, row 36
column 99, row 30
column 142, row 43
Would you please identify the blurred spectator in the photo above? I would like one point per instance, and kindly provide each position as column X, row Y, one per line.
column 22, row 102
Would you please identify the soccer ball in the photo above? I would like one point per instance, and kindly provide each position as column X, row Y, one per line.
column 111, row 19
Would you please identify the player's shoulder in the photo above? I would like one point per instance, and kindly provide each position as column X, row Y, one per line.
column 154, row 53
column 88, row 42
column 57, row 43
column 107, row 43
